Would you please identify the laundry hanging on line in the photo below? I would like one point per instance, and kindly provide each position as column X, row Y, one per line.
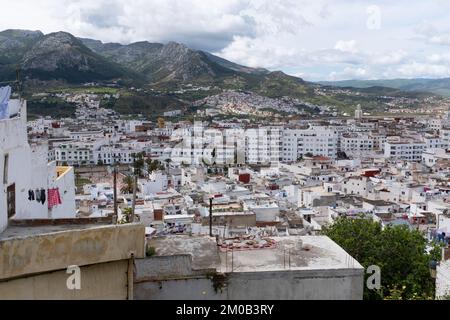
column 38, row 195
column 5, row 93
column 54, row 197
column 43, row 196
column 30, row 195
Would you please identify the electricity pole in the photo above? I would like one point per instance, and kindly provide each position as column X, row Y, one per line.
column 133, row 205
column 210, row 216
column 115, row 194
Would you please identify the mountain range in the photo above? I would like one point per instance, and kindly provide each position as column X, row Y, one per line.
column 436, row 86
column 60, row 59
column 62, row 56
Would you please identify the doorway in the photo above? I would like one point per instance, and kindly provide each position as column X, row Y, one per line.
column 11, row 200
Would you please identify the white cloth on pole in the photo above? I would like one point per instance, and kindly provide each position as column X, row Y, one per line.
column 5, row 93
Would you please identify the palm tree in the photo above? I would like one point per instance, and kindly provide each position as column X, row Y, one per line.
column 128, row 182
column 126, row 216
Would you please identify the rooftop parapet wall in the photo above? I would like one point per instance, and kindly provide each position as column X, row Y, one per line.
column 12, row 133
column 31, row 250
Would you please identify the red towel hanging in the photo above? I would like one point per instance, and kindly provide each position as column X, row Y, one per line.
column 54, row 197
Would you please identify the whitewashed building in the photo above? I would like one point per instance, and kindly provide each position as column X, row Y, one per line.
column 26, row 175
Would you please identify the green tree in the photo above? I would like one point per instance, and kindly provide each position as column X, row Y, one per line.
column 398, row 251
column 138, row 162
column 153, row 165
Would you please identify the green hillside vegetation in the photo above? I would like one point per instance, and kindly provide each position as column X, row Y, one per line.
column 150, row 106
column 53, row 107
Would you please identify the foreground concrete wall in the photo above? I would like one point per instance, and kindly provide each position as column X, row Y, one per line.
column 296, row 285
column 161, row 278
column 196, row 288
column 172, row 277
column 99, row 281
column 164, row 267
column 27, row 253
column 259, row 286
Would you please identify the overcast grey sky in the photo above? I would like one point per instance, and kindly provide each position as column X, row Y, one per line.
column 316, row 39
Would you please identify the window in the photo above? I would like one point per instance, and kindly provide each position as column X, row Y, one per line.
column 5, row 169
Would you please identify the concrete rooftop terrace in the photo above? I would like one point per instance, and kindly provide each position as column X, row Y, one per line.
column 305, row 253
column 21, row 232
column 291, row 253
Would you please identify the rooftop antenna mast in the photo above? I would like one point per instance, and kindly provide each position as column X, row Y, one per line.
column 18, row 83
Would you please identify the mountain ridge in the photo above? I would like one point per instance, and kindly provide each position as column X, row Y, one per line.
column 54, row 56
column 439, row 86
column 62, row 56
column 60, row 59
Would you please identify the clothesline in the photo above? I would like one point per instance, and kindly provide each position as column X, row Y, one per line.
column 52, row 196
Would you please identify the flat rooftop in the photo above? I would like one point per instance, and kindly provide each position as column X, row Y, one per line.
column 315, row 253
column 27, row 249
column 16, row 232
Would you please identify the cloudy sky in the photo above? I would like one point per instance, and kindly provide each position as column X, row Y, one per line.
column 316, row 39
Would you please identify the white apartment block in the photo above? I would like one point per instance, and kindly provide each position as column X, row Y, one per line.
column 412, row 149
column 86, row 135
column 91, row 153
column 444, row 134
column 404, row 150
column 262, row 145
column 318, row 141
column 435, row 142
column 355, row 144
column 114, row 154
column 378, row 141
column 75, row 152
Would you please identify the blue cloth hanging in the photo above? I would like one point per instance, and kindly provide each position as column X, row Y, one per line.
column 5, row 93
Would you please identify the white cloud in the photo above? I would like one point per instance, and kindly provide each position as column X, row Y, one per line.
column 388, row 58
column 349, row 73
column 425, row 70
column 439, row 58
column 432, row 35
column 346, row 46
